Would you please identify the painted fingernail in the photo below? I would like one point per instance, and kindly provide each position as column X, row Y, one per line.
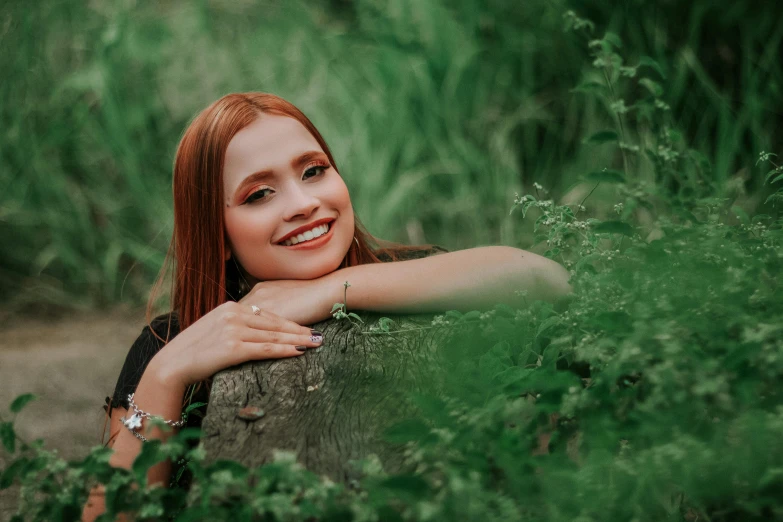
column 316, row 337
column 301, row 348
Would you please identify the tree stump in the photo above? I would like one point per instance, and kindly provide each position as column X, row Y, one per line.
column 329, row 406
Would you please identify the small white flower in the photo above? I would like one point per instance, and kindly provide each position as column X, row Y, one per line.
column 133, row 423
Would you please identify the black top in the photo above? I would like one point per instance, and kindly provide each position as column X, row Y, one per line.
column 148, row 344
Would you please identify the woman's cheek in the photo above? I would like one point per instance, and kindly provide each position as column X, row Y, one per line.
column 247, row 232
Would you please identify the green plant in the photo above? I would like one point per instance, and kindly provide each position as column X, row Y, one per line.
column 340, row 310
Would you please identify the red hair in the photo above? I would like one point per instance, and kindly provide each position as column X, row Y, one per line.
column 201, row 279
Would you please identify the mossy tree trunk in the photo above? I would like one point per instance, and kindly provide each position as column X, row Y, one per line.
column 329, row 406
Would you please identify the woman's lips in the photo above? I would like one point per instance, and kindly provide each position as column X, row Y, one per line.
column 313, row 243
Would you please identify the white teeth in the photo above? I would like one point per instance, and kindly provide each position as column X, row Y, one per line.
column 308, row 235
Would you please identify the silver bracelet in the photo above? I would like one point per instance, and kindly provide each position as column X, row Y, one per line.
column 145, row 415
column 134, row 421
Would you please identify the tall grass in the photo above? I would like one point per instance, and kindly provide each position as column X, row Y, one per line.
column 437, row 113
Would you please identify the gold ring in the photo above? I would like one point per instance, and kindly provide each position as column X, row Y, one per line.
column 256, row 310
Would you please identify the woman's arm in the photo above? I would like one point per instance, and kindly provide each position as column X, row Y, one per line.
column 473, row 279
column 164, row 399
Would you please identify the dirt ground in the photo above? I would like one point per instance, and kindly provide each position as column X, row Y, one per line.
column 71, row 364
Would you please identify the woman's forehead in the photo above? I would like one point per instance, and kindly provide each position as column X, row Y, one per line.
column 269, row 143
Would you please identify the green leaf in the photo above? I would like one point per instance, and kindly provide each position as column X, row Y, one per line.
column 654, row 87
column 193, row 406
column 778, row 178
column 337, row 306
column 149, row 456
column 513, row 375
column 584, row 263
column 8, row 436
column 354, row 316
column 775, row 198
column 614, row 227
column 453, row 313
column 646, row 61
column 406, row 431
column 606, row 176
column 384, row 323
column 11, row 472
column 180, row 471
column 590, row 87
column 472, row 315
column 551, row 354
column 603, row 137
column 410, row 484
column 549, row 323
column 613, row 39
column 495, row 361
column 21, row 401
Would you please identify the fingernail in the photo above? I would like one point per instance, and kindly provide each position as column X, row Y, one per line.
column 301, row 348
column 316, row 337
column 316, row 332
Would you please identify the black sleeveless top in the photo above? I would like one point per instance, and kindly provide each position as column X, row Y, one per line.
column 167, row 327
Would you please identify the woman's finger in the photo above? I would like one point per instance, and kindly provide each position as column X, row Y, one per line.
column 260, row 351
column 253, row 335
column 268, row 321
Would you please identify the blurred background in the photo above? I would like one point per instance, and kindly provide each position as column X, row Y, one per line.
column 437, row 112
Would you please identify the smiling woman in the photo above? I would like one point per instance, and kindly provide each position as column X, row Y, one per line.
column 264, row 238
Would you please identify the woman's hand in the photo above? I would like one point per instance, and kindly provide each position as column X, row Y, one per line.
column 229, row 335
column 303, row 301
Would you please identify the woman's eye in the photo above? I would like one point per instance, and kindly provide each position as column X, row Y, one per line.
column 255, row 196
column 315, row 170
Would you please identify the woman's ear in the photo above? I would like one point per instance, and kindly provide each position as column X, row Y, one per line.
column 228, row 254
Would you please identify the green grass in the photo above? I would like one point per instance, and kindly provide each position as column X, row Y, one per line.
column 437, row 113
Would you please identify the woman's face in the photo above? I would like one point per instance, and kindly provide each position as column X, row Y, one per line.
column 277, row 180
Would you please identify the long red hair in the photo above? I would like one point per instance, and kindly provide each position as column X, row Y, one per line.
column 202, row 279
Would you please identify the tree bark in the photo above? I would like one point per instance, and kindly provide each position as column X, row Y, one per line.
column 329, row 406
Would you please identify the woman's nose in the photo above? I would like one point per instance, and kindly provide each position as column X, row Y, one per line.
column 300, row 203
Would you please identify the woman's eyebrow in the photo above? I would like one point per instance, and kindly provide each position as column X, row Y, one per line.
column 297, row 163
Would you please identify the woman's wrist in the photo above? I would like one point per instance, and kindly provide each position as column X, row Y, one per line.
column 333, row 287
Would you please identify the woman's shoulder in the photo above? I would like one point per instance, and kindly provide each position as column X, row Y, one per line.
column 165, row 326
